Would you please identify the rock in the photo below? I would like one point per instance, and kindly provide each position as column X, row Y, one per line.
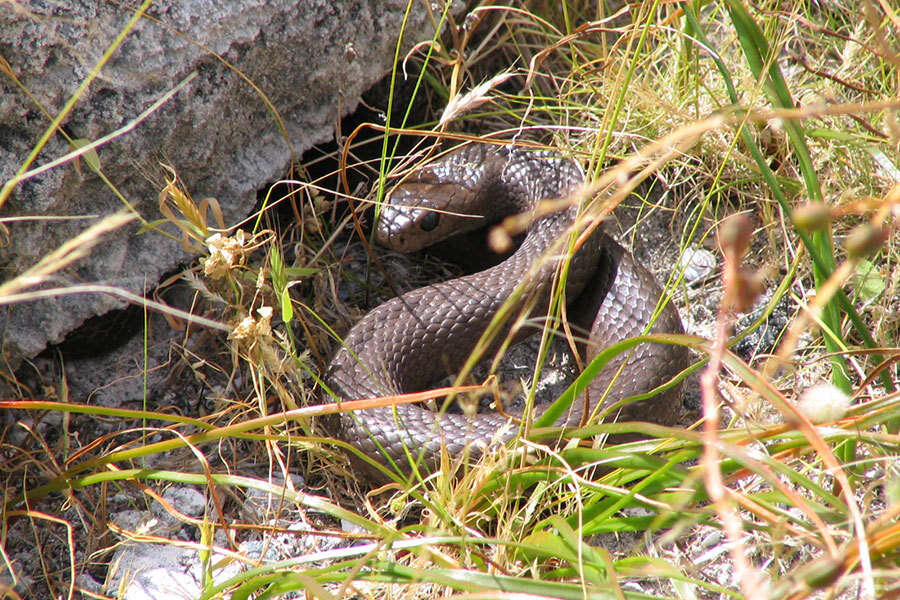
column 183, row 499
column 698, row 264
column 764, row 339
column 311, row 59
column 144, row 570
column 258, row 505
column 153, row 571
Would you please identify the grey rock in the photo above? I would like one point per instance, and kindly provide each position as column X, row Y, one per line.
column 186, row 500
column 130, row 519
column 765, row 338
column 88, row 583
column 183, row 499
column 259, row 505
column 310, row 58
column 154, row 571
column 350, row 527
column 698, row 264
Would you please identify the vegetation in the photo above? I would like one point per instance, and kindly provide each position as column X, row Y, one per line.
column 686, row 113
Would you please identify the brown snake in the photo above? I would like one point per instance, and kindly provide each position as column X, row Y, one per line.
column 408, row 343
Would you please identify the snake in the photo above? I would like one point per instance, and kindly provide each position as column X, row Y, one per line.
column 413, row 340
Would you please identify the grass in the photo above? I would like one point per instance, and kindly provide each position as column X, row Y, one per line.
column 700, row 102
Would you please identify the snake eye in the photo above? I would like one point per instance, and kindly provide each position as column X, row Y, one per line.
column 430, row 221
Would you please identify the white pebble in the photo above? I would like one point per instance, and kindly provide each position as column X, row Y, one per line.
column 698, row 263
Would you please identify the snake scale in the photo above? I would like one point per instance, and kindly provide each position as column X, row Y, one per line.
column 409, row 342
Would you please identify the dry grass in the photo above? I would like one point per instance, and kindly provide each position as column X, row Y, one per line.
column 764, row 500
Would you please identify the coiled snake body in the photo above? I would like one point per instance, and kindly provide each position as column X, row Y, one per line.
column 408, row 343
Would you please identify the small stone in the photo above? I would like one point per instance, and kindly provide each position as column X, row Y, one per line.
column 86, row 582
column 697, row 263
column 186, row 500
column 349, row 527
column 130, row 520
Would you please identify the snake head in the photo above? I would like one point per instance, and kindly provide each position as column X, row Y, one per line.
column 419, row 214
column 458, row 193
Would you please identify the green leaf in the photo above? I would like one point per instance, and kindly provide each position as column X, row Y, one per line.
column 91, row 159
column 276, row 269
column 869, row 283
column 830, row 134
column 299, row 272
column 287, row 309
column 473, row 582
